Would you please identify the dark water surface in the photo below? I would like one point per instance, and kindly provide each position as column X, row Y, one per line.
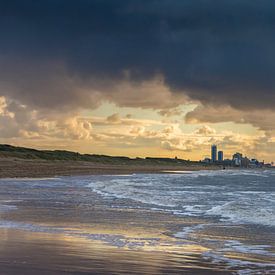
column 203, row 222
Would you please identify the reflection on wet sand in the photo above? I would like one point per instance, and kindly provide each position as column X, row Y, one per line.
column 63, row 226
column 30, row 252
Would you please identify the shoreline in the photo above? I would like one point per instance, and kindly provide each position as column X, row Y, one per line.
column 20, row 168
column 38, row 253
column 95, row 239
column 65, row 226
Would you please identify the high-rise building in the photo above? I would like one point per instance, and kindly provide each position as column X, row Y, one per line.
column 220, row 156
column 214, row 153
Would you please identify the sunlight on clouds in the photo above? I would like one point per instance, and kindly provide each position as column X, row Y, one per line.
column 127, row 131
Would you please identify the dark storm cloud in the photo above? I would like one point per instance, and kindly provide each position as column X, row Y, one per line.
column 215, row 51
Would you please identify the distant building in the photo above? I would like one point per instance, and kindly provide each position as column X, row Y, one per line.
column 238, row 156
column 220, row 156
column 214, row 153
column 237, row 159
column 237, row 162
column 254, row 163
column 227, row 162
column 245, row 162
column 206, row 160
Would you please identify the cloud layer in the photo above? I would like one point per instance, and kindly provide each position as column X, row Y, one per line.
column 57, row 54
column 60, row 59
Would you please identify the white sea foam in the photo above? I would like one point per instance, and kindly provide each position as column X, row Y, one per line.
column 187, row 230
column 240, row 212
column 242, row 265
column 234, row 245
column 232, row 195
column 7, row 207
column 237, row 197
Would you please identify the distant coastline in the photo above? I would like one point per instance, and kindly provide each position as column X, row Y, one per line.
column 27, row 162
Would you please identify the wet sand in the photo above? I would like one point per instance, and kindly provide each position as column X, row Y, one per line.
column 103, row 241
column 10, row 168
column 44, row 236
column 52, row 228
column 22, row 252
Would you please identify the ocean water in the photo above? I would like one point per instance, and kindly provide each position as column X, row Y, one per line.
column 235, row 196
column 229, row 212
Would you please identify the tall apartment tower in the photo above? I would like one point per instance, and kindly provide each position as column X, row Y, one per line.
column 220, row 156
column 214, row 153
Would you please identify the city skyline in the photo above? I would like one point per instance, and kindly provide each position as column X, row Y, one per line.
column 237, row 159
column 138, row 78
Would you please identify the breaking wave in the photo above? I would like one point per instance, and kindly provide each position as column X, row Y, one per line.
column 237, row 196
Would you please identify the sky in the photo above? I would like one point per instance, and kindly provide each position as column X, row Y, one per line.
column 139, row 78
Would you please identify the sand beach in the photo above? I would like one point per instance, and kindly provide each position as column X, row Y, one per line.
column 125, row 224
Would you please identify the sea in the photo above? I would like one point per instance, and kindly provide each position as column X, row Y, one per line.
column 230, row 213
